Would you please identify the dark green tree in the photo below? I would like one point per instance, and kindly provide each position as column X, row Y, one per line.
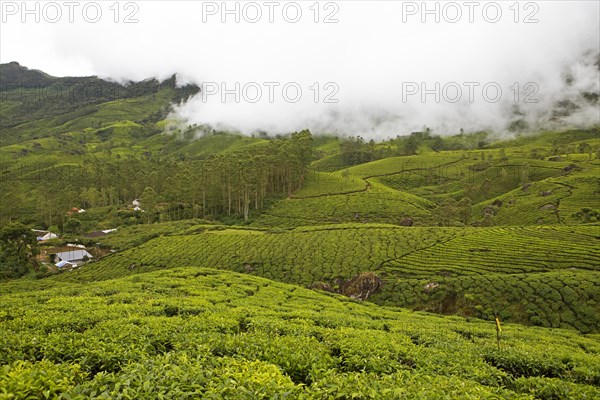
column 464, row 210
column 149, row 201
column 73, row 225
column 18, row 248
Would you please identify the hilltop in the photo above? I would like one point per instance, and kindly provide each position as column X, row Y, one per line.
column 36, row 105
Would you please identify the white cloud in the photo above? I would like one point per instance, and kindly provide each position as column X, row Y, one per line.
column 369, row 54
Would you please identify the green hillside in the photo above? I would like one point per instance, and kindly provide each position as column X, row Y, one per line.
column 479, row 272
column 428, row 189
column 36, row 105
column 222, row 265
column 203, row 333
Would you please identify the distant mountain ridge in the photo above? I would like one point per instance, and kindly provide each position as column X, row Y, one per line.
column 28, row 95
column 13, row 74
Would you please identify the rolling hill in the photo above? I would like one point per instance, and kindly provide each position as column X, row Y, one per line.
column 293, row 266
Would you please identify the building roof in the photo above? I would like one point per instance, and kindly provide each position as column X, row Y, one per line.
column 73, row 255
column 63, row 263
column 49, row 236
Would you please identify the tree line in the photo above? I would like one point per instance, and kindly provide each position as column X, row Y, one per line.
column 232, row 184
column 356, row 150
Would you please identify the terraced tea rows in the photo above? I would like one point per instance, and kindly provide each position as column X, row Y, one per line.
column 505, row 250
column 406, row 259
column 180, row 308
column 551, row 201
column 392, row 189
column 357, row 194
column 377, row 204
column 319, row 184
column 449, row 163
column 483, row 181
column 566, row 298
column 201, row 333
column 303, row 255
column 584, row 192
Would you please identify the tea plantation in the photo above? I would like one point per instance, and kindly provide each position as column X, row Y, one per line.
column 517, row 191
column 547, row 276
column 297, row 266
column 204, row 333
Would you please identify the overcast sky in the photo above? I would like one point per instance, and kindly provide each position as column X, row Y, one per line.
column 361, row 66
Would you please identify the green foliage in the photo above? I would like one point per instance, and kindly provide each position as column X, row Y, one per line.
column 355, row 151
column 73, row 225
column 512, row 263
column 456, row 225
column 42, row 104
column 233, row 184
column 135, row 235
column 18, row 247
column 238, row 336
column 38, row 380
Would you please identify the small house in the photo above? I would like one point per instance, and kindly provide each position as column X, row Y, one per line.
column 72, row 256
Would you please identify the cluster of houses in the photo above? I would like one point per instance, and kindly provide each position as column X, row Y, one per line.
column 69, row 256
column 75, row 255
